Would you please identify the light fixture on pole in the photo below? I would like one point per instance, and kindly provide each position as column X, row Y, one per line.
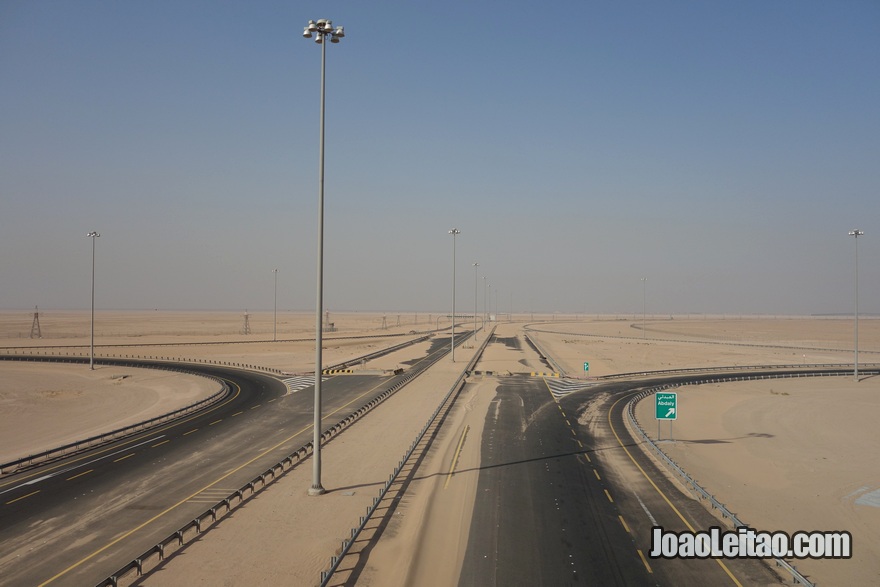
column 275, row 311
column 475, row 301
column 856, row 233
column 644, row 305
column 454, row 232
column 322, row 29
column 93, row 235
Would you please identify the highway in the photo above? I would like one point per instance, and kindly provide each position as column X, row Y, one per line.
column 74, row 521
column 566, row 497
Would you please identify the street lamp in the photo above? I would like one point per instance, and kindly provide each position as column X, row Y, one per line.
column 475, row 301
column 454, row 232
column 856, row 233
column 275, row 311
column 322, row 29
column 93, row 235
column 485, row 306
column 644, row 305
column 489, row 290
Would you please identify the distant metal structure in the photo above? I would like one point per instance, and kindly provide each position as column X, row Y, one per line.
column 328, row 326
column 35, row 326
column 384, row 322
column 246, row 328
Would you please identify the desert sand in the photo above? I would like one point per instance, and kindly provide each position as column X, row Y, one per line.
column 784, row 455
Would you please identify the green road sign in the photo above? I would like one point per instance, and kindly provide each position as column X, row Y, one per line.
column 666, row 405
column 586, row 366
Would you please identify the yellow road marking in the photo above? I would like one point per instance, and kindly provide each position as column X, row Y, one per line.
column 123, row 458
column 190, row 432
column 79, row 475
column 596, row 473
column 186, row 499
column 22, row 497
column 457, row 453
column 608, row 495
column 663, row 495
column 625, row 527
column 160, row 443
column 235, row 414
column 580, row 444
column 256, row 406
column 215, row 422
column 644, row 560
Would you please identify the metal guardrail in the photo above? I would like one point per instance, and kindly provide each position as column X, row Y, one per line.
column 379, row 353
column 697, row 341
column 195, row 527
column 545, row 355
column 138, row 361
column 119, row 433
column 697, row 370
column 699, row 490
column 355, row 532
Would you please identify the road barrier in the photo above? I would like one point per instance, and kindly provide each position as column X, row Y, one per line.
column 447, row 401
column 201, row 523
column 97, row 440
column 545, row 356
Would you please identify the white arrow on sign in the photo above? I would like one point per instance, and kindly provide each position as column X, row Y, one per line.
column 670, row 412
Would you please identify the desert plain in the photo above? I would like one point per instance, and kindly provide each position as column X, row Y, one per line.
column 794, row 454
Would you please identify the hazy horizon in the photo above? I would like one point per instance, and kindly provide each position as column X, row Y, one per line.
column 723, row 152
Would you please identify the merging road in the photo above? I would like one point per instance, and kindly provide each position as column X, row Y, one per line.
column 75, row 521
column 566, row 497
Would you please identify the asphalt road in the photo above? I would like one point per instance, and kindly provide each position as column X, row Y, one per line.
column 565, row 497
column 75, row 521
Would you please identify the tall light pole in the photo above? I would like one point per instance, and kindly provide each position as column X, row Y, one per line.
column 856, row 233
column 644, row 305
column 454, row 232
column 475, row 300
column 93, row 235
column 322, row 29
column 275, row 311
column 489, row 290
column 485, row 306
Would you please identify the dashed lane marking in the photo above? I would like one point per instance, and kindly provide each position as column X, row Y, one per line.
column 79, row 475
column 22, row 497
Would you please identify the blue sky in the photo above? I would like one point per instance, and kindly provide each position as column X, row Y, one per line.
column 722, row 150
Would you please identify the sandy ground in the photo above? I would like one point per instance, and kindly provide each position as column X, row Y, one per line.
column 788, row 455
column 44, row 406
column 783, row 455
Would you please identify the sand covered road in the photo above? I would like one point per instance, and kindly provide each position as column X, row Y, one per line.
column 773, row 472
column 45, row 405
